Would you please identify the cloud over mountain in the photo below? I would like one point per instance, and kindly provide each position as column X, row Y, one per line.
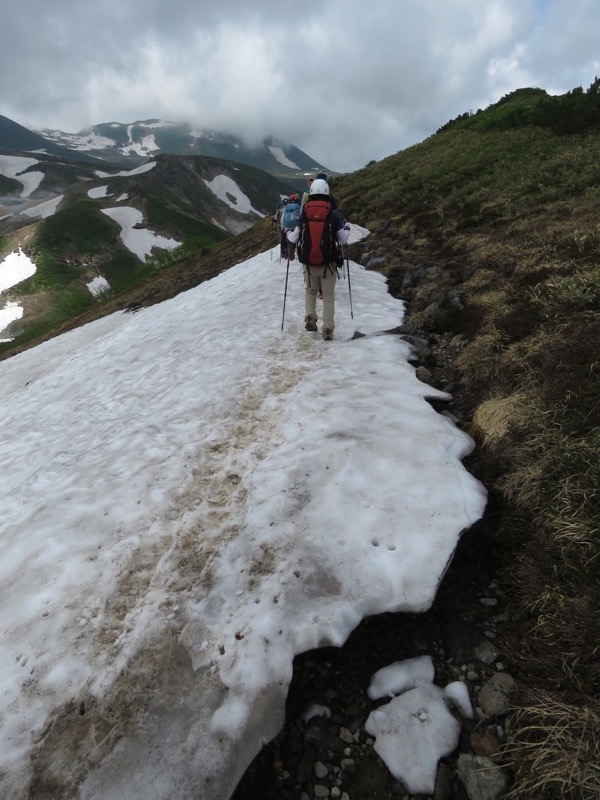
column 347, row 81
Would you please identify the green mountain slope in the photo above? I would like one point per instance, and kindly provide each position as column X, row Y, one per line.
column 186, row 205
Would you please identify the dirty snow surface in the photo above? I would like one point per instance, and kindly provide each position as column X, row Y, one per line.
column 190, row 496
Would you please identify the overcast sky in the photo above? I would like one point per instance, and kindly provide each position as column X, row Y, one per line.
column 345, row 80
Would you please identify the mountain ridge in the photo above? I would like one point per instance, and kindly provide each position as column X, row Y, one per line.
column 124, row 143
column 119, row 228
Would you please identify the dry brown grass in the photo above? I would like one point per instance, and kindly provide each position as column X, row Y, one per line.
column 523, row 207
column 555, row 752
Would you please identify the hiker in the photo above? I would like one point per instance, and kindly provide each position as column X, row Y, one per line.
column 318, row 236
column 277, row 215
column 283, row 201
column 321, row 176
column 306, row 195
column 290, row 218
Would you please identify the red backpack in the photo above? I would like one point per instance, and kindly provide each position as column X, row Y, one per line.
column 317, row 244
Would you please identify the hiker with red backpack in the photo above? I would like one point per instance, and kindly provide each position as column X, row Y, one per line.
column 320, row 236
column 321, row 176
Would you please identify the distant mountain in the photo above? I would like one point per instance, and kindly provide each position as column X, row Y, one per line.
column 94, row 234
column 35, row 186
column 105, row 207
column 147, row 139
column 128, row 145
column 16, row 138
column 135, row 142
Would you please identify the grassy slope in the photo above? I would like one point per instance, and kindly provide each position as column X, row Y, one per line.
column 520, row 205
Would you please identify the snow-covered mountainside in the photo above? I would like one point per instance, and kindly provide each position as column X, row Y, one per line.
column 149, row 138
column 87, row 229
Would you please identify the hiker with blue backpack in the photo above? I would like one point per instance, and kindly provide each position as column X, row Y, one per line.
column 319, row 237
column 290, row 218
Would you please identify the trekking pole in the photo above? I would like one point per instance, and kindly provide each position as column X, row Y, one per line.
column 349, row 287
column 287, row 272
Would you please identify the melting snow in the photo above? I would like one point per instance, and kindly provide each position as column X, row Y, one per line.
column 230, row 193
column 191, row 496
column 98, row 191
column 127, row 172
column 98, row 286
column 79, row 141
column 415, row 730
column 140, row 241
column 16, row 267
column 45, row 209
column 8, row 314
column 14, row 166
column 281, row 157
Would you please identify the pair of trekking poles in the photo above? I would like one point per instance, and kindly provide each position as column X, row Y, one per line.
column 287, row 272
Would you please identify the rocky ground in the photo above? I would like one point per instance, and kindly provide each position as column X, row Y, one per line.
column 330, row 755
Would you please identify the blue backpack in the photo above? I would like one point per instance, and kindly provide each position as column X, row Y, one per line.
column 290, row 216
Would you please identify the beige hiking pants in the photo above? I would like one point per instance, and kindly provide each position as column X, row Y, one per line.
column 320, row 279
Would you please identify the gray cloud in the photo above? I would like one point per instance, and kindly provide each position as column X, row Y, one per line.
column 347, row 81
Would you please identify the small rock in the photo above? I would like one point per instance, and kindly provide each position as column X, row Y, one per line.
column 346, row 736
column 444, row 783
column 320, row 769
column 373, row 263
column 424, row 375
column 485, row 744
column 497, row 695
column 482, row 779
column 321, row 791
column 465, row 643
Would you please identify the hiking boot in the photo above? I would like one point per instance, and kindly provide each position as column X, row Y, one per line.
column 327, row 334
column 310, row 323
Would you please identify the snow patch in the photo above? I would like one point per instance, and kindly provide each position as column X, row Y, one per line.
column 14, row 268
column 98, row 286
column 45, row 209
column 127, row 172
column 416, row 729
column 230, row 193
column 15, row 166
column 98, row 191
column 8, row 314
column 203, row 496
column 281, row 157
column 139, row 241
